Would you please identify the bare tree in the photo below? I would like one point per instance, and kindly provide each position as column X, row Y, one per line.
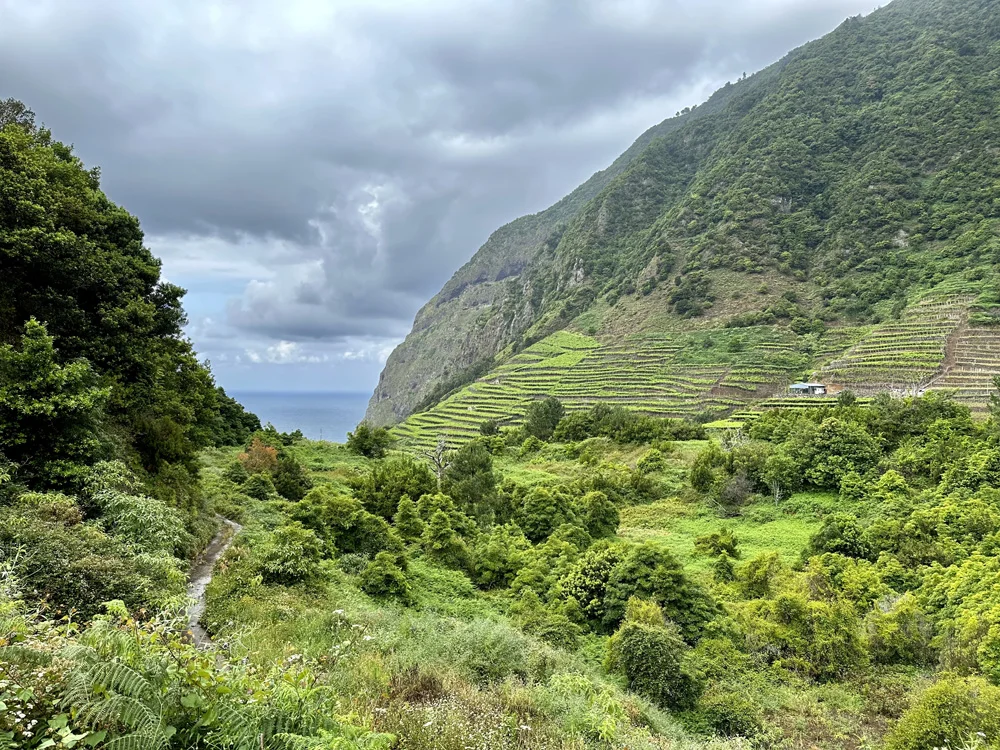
column 439, row 458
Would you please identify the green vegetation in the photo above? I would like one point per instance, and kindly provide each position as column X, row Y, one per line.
column 621, row 533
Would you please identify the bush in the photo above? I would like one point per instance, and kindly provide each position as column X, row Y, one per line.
column 756, row 579
column 651, row 461
column 385, row 578
column 900, row 632
column 290, row 479
column 443, row 545
column 731, row 714
column 950, row 713
column 407, row 523
column 292, row 555
column 650, row 657
column 80, row 567
column 368, row 441
column 259, row 487
column 381, row 489
column 235, row 473
column 147, row 523
column 600, row 515
column 490, row 652
column 718, row 542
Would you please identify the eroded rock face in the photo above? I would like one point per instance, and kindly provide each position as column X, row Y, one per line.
column 490, row 302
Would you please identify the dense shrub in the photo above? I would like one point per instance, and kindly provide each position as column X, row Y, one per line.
column 382, row 487
column 651, row 658
column 259, row 487
column 290, row 478
column 385, row 577
column 368, row 441
column 292, row 555
column 950, row 713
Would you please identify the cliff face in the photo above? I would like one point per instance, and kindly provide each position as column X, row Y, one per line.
column 495, row 298
column 849, row 171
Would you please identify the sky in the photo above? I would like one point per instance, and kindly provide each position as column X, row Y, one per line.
column 313, row 172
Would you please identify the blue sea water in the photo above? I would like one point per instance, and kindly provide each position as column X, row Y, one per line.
column 320, row 416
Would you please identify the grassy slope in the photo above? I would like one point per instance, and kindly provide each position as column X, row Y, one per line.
column 382, row 677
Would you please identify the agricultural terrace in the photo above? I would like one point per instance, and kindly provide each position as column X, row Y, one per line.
column 669, row 375
column 903, row 355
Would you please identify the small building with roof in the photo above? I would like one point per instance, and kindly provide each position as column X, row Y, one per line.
column 808, row 389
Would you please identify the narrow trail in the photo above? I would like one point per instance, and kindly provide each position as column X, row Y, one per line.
column 200, row 576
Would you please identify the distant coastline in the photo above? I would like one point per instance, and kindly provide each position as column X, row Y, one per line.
column 321, row 415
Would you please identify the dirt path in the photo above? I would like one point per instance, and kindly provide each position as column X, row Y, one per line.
column 201, row 575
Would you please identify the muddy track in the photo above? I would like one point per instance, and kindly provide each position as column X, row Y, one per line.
column 200, row 576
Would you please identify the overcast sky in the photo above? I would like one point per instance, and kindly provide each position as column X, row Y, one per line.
column 312, row 172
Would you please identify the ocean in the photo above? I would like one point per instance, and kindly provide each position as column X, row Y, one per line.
column 320, row 416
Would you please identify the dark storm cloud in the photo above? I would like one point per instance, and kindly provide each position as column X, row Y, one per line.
column 344, row 158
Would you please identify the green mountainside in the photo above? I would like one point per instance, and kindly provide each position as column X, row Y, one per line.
column 833, row 216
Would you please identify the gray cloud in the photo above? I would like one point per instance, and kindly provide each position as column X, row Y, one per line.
column 330, row 164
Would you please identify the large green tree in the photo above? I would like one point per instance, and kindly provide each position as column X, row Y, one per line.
column 49, row 413
column 76, row 262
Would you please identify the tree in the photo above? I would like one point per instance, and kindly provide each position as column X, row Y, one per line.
column 439, row 458
column 13, row 112
column 846, row 399
column 995, row 401
column 489, row 428
column 443, row 545
column 381, row 489
column 76, row 262
column 49, row 413
column 651, row 572
column 368, row 441
column 780, row 473
column 831, row 450
column 259, row 457
column 545, row 509
column 542, row 417
column 408, row 524
column 469, row 479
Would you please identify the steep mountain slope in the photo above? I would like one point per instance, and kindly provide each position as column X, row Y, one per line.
column 835, row 188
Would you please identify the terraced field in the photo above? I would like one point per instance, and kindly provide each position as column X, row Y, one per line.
column 729, row 371
column 903, row 356
column 973, row 360
column 669, row 375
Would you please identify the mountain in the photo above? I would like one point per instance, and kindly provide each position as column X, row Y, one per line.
column 834, row 215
